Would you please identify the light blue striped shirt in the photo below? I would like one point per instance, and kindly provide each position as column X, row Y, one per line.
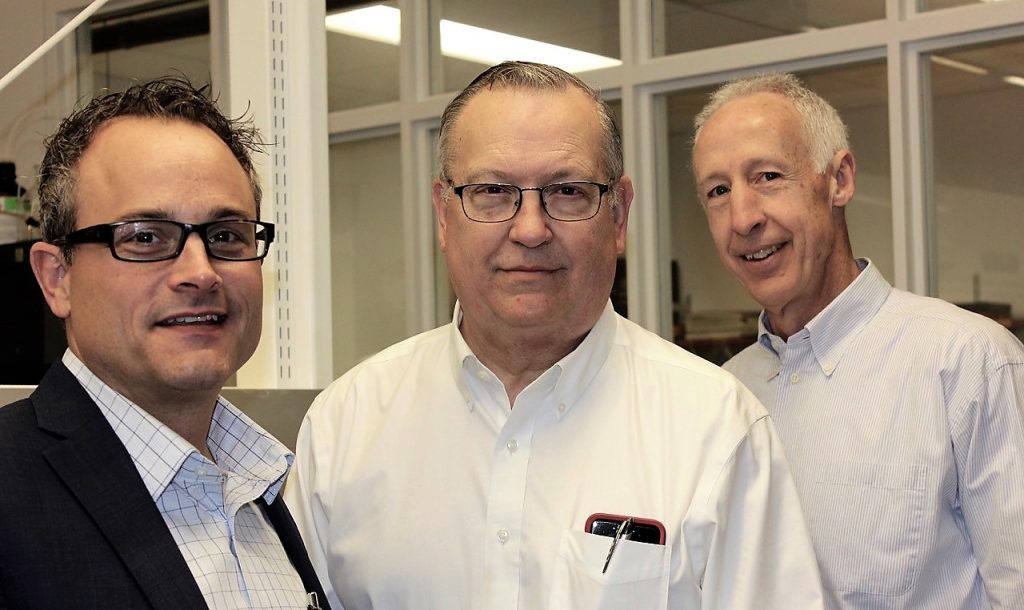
column 902, row 419
column 227, row 541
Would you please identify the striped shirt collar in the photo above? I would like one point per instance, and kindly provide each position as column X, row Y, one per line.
column 831, row 330
column 238, row 443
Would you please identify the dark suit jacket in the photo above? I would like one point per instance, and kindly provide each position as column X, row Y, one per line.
column 77, row 527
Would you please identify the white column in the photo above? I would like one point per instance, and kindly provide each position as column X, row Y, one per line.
column 271, row 62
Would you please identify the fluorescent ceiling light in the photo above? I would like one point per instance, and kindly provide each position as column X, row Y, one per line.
column 379, row 23
column 959, row 65
column 383, row 24
column 1014, row 80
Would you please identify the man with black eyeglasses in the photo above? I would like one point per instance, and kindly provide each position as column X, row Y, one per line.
column 542, row 451
column 128, row 482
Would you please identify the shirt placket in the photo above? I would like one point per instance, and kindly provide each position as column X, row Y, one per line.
column 797, row 360
column 506, row 497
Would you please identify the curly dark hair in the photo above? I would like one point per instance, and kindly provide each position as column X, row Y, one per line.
column 170, row 97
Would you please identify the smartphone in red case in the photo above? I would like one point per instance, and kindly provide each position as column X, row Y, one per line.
column 643, row 529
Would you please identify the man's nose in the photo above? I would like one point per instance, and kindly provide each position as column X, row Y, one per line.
column 193, row 267
column 746, row 210
column 530, row 225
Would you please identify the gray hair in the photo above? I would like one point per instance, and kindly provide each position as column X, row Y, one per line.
column 542, row 77
column 170, row 97
column 824, row 131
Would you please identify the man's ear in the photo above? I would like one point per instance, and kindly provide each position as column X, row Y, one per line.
column 842, row 175
column 441, row 211
column 620, row 213
column 52, row 273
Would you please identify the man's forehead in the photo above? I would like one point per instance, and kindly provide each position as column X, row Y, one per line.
column 500, row 102
column 757, row 119
column 501, row 122
column 766, row 110
column 156, row 167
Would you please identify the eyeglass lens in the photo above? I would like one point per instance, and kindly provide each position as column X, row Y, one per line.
column 153, row 239
column 563, row 201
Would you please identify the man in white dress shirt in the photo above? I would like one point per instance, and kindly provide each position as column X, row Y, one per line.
column 901, row 415
column 459, row 469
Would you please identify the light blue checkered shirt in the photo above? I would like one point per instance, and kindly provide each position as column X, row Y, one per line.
column 231, row 548
column 903, row 421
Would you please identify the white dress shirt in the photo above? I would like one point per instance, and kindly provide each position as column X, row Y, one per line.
column 417, row 485
column 902, row 419
column 230, row 546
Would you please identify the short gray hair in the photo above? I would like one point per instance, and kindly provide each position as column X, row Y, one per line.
column 824, row 131
column 542, row 77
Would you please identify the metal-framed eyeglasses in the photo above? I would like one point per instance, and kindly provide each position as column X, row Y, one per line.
column 151, row 240
column 564, row 201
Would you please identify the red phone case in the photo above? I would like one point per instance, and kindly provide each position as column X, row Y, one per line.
column 620, row 518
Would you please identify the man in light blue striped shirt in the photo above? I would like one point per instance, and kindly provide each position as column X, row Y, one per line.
column 901, row 415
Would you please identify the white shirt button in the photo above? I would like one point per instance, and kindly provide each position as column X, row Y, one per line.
column 829, row 367
column 503, row 536
column 512, row 445
column 482, row 375
column 794, row 378
column 561, row 407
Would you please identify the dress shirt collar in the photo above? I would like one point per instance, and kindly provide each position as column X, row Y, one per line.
column 572, row 374
column 831, row 331
column 238, row 444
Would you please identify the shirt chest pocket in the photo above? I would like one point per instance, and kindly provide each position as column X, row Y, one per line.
column 637, row 576
column 866, row 521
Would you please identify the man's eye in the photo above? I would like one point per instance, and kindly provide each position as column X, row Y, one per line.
column 225, row 236
column 142, row 237
column 769, row 176
column 717, row 191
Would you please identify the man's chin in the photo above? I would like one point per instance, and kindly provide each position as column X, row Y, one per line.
column 769, row 293
column 197, row 374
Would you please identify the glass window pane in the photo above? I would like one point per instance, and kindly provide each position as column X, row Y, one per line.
column 712, row 314
column 688, row 25
column 139, row 44
column 579, row 35
column 977, row 184
column 930, row 5
column 362, row 55
column 367, row 260
column 117, row 48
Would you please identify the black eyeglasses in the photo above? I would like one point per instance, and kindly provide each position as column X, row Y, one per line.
column 565, row 201
column 145, row 241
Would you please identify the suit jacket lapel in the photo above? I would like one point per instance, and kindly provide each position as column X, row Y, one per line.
column 287, row 531
column 98, row 470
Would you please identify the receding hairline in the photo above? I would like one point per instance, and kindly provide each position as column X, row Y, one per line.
column 505, row 88
column 102, row 131
column 824, row 132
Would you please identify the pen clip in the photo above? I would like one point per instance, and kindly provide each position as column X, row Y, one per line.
column 625, row 530
column 312, row 603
